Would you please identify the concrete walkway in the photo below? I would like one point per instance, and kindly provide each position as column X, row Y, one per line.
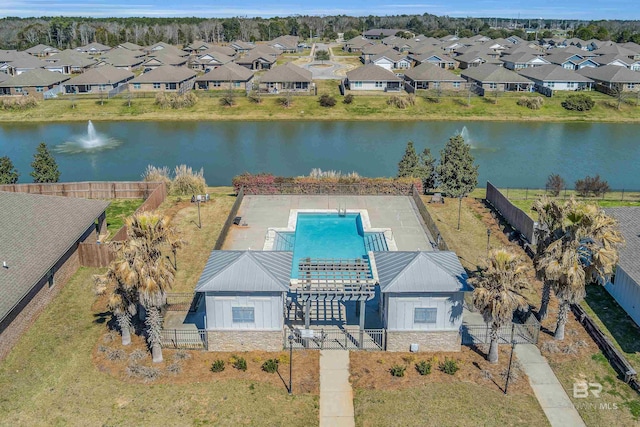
column 336, row 395
column 552, row 398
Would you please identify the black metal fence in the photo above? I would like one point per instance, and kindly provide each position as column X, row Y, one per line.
column 186, row 301
column 184, row 339
column 340, row 339
column 229, row 221
column 526, row 332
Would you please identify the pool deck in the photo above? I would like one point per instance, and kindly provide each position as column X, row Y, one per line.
column 259, row 213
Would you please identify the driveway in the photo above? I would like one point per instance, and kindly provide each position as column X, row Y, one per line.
column 324, row 70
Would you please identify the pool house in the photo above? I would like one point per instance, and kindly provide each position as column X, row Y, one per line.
column 323, row 272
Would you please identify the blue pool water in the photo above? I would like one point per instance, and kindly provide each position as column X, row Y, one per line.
column 329, row 236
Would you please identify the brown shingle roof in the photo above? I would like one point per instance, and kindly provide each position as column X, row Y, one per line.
column 489, row 73
column 611, row 73
column 165, row 74
column 37, row 77
column 287, row 73
column 36, row 232
column 433, row 73
column 101, row 75
column 227, row 73
column 371, row 72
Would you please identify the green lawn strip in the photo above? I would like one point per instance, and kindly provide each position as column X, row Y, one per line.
column 447, row 404
column 118, row 210
column 49, row 379
column 618, row 404
column 614, row 322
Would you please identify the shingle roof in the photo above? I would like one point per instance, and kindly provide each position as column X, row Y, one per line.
column 420, row 272
column 37, row 77
column 24, row 60
column 168, row 58
column 607, row 59
column 433, row 73
column 629, row 223
column 122, row 58
column 489, row 73
column 36, row 232
column 94, row 47
column 616, row 49
column 255, row 55
column 371, row 72
column 554, row 73
column 227, row 73
column 165, row 74
column 69, row 57
column 287, row 73
column 39, row 48
column 225, row 50
column 246, row 271
column 611, row 73
column 130, row 46
column 100, row 75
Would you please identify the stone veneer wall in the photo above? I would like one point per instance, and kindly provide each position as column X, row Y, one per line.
column 245, row 340
column 427, row 340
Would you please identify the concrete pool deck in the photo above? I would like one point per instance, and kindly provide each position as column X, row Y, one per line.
column 262, row 212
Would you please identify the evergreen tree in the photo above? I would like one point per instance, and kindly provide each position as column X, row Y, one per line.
column 8, row 173
column 409, row 163
column 457, row 174
column 427, row 169
column 45, row 168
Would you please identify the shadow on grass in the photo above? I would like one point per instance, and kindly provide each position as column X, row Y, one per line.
column 615, row 319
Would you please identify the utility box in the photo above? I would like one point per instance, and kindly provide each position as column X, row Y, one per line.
column 414, row 348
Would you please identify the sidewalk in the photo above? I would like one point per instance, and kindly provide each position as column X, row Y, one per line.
column 336, row 395
column 552, row 398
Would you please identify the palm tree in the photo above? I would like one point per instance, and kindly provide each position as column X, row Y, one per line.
column 587, row 252
column 498, row 293
column 550, row 228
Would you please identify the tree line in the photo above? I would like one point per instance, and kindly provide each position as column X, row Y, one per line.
column 69, row 32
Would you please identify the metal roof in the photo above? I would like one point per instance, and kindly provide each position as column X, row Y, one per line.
column 403, row 272
column 35, row 232
column 629, row 224
column 246, row 271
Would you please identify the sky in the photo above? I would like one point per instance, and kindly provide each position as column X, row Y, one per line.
column 525, row 9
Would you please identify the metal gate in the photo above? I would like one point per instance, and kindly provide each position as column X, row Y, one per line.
column 340, row 339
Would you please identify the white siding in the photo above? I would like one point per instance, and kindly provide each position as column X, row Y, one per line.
column 356, row 85
column 268, row 311
column 400, row 311
column 627, row 293
column 384, row 63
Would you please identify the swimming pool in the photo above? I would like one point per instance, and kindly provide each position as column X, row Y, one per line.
column 329, row 235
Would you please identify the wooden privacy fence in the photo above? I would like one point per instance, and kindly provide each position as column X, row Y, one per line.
column 515, row 216
column 96, row 254
column 88, row 190
column 155, row 199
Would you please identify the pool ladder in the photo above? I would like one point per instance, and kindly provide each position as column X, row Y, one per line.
column 342, row 209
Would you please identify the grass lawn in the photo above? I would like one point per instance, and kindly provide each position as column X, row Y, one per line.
column 614, row 322
column 365, row 107
column 118, row 210
column 50, row 379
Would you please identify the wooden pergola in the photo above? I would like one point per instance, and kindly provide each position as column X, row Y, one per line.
column 335, row 279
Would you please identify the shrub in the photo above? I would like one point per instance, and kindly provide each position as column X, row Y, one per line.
column 409, row 358
column 283, row 359
column 255, row 97
column 348, row 99
column 187, row 182
column 239, row 363
column 157, row 174
column 449, row 366
column 175, row 100
column 318, row 173
column 555, row 184
column 550, row 347
column 532, row 103
column 398, row 370
column 285, row 101
column 137, row 355
column 143, row 372
column 174, row 368
column 181, row 355
column 227, row 101
column 423, row 367
column 399, row 101
column 514, row 374
column 217, row 366
column 591, row 186
column 578, row 102
column 270, row 366
column 18, row 102
column 327, row 100
column 116, row 354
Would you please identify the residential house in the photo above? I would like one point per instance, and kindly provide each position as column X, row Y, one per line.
column 475, row 59
column 372, row 78
column 421, row 299
column 225, row 50
column 241, row 47
column 392, row 60
column 209, row 61
column 372, row 50
column 357, row 44
column 380, row 33
column 224, row 77
column 98, row 80
column 69, row 62
column 164, row 78
column 42, row 50
column 287, row 78
column 615, row 49
column 256, row 61
column 496, row 79
column 40, row 239
column 265, row 49
column 519, row 61
column 123, row 59
column 197, row 48
column 164, row 48
column 553, row 77
column 624, row 286
column 285, row 44
column 34, row 82
column 162, row 58
column 130, row 46
column 619, row 60
column 432, row 76
column 15, row 63
column 94, row 48
column 611, row 78
column 571, row 61
column 436, row 58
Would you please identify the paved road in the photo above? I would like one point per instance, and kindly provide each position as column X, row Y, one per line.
column 323, row 70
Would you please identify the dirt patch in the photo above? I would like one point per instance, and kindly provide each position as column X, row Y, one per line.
column 194, row 366
column 371, row 371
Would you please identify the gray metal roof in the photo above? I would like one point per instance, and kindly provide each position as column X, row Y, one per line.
column 420, row 272
column 246, row 271
column 629, row 223
column 35, row 232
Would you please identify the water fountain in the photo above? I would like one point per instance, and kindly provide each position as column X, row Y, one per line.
column 90, row 142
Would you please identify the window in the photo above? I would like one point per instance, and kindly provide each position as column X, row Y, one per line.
column 379, row 84
column 570, row 84
column 18, row 90
column 456, row 84
column 243, row 314
column 170, row 86
column 631, row 85
column 424, row 315
column 493, row 85
column 436, row 85
column 136, row 85
column 103, row 87
column 217, row 84
column 357, row 84
column 156, row 85
column 236, row 84
column 39, row 89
